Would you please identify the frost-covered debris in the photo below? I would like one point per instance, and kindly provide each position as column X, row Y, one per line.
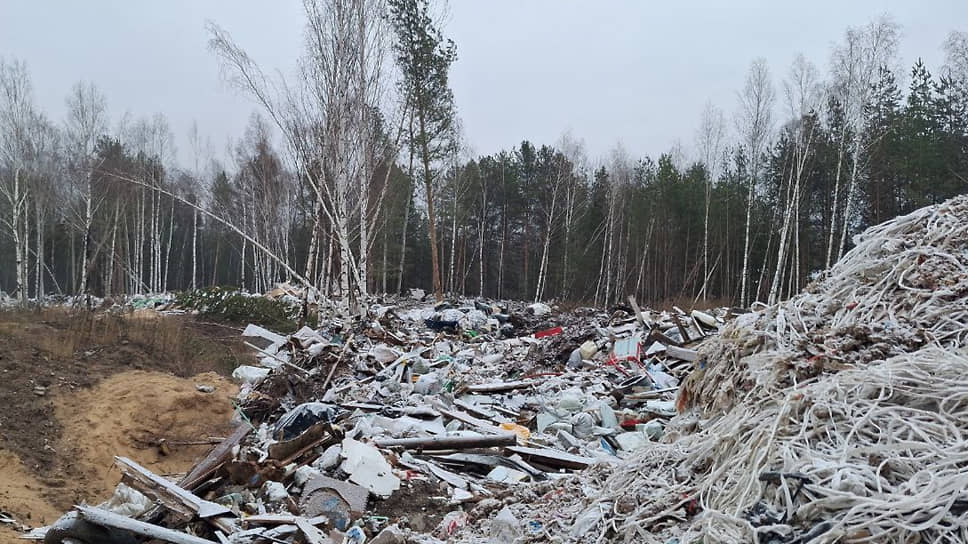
column 836, row 416
column 421, row 422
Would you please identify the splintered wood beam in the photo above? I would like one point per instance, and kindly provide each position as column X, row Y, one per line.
column 104, row 518
column 644, row 322
column 464, row 417
column 215, row 459
column 168, row 493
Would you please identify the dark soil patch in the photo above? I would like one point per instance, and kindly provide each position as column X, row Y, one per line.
column 47, row 353
column 415, row 505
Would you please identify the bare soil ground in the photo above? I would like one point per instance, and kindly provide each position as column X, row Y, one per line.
column 76, row 389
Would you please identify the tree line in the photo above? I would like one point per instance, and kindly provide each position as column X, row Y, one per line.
column 354, row 178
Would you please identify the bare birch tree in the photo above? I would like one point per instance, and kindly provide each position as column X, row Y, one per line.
column 803, row 93
column 574, row 151
column 18, row 120
column 956, row 57
column 46, row 193
column 709, row 143
column 855, row 64
column 560, row 170
column 86, row 121
column 330, row 121
column 754, row 121
column 201, row 154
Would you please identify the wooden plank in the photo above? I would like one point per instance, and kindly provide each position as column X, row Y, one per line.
column 699, row 330
column 645, row 395
column 441, row 473
column 684, row 354
column 657, row 336
column 479, row 424
column 312, row 436
column 104, row 518
column 282, row 519
column 354, row 383
column 644, row 322
column 326, row 441
column 510, row 413
column 451, row 442
column 366, row 406
column 215, row 459
column 478, row 411
column 173, row 497
column 682, row 330
column 342, row 353
column 553, row 457
column 283, row 362
column 500, row 386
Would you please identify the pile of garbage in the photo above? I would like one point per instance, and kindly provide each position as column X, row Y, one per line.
column 415, row 422
column 837, row 416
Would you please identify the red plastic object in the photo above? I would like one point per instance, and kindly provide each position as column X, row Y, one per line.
column 548, row 332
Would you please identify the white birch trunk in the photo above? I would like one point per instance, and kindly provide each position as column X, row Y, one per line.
column 194, row 250
column 18, row 199
column 453, row 243
column 109, row 281
column 543, row 268
column 746, row 242
column 167, row 261
column 88, row 219
column 851, row 190
column 39, row 217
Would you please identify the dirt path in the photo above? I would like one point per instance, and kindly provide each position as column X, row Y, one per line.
column 71, row 402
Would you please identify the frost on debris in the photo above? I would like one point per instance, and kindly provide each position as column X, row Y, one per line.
column 789, row 429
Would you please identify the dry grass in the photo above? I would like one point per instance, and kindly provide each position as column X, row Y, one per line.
column 62, row 333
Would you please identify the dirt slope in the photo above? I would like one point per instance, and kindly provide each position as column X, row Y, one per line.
column 74, row 401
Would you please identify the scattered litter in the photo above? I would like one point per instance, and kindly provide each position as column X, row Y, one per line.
column 466, row 400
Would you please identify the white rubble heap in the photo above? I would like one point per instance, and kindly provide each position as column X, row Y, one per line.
column 476, row 398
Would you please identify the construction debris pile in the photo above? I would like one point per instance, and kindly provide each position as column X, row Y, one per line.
column 837, row 416
column 414, row 423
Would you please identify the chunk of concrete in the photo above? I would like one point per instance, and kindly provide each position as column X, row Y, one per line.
column 341, row 502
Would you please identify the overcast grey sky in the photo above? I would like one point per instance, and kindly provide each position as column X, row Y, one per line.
column 631, row 71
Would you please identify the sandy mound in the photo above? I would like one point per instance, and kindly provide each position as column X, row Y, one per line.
column 129, row 414
column 126, row 414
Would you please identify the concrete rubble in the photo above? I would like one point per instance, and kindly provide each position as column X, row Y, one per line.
column 448, row 410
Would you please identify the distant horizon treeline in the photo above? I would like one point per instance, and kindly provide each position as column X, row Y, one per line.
column 751, row 213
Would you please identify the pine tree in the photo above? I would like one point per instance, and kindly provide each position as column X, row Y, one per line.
column 883, row 188
column 424, row 57
column 920, row 135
